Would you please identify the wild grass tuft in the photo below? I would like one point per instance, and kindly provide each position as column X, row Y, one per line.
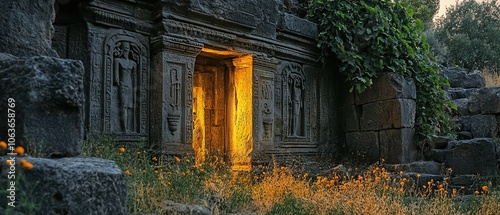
column 278, row 189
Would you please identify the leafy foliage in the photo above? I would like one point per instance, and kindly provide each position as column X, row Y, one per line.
column 471, row 32
column 371, row 37
column 423, row 9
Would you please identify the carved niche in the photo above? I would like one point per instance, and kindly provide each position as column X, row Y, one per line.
column 125, row 82
column 296, row 103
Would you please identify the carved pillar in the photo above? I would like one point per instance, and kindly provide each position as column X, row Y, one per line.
column 172, row 87
column 263, row 102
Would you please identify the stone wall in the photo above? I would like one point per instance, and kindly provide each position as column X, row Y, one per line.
column 476, row 149
column 379, row 123
column 292, row 106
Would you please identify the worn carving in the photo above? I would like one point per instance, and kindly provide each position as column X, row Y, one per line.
column 125, row 70
column 126, row 78
column 296, row 101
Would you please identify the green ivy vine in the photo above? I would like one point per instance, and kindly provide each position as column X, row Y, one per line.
column 371, row 37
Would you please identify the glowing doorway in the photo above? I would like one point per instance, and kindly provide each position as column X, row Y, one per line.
column 222, row 107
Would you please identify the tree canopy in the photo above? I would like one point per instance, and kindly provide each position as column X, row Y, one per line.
column 471, row 32
column 423, row 9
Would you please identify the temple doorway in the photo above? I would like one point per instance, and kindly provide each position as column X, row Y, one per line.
column 222, row 107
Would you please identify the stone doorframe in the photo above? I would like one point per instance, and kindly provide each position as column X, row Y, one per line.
column 173, row 61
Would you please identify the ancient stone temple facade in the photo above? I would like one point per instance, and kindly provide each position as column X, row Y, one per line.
column 231, row 78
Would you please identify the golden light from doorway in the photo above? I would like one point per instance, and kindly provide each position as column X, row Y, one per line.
column 238, row 139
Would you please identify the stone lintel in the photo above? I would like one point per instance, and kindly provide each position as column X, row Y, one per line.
column 264, row 63
column 119, row 16
column 181, row 46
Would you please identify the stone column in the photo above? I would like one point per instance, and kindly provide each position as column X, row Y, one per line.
column 172, row 93
column 27, row 27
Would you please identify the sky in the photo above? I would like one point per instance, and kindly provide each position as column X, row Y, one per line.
column 443, row 4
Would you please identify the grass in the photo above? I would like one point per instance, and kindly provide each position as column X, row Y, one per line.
column 277, row 189
column 492, row 78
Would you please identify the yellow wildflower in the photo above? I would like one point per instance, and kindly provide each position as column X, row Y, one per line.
column 27, row 165
column 9, row 162
column 3, row 145
column 19, row 150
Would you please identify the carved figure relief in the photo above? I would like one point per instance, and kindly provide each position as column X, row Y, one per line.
column 295, row 104
column 126, row 78
column 125, row 70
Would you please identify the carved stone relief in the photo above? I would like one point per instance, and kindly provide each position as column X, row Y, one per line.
column 295, row 104
column 180, row 81
column 267, row 100
column 126, row 78
column 264, row 101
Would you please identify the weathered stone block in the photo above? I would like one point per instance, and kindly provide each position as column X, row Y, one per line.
column 461, row 93
column 351, row 122
column 474, row 103
column 394, row 113
column 483, row 126
column 365, row 142
column 439, row 155
column 27, row 27
column 396, row 145
column 388, row 86
column 45, row 96
column 462, row 106
column 70, row 185
column 475, row 156
column 297, row 25
column 489, row 100
column 459, row 77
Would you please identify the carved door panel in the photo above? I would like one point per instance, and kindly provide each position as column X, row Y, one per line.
column 211, row 81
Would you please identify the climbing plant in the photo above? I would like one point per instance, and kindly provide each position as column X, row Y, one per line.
column 369, row 37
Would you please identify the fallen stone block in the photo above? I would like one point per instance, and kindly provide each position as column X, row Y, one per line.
column 44, row 99
column 27, row 27
column 68, row 185
column 475, row 156
column 459, row 77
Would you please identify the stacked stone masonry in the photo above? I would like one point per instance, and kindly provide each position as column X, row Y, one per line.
column 380, row 121
column 476, row 149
